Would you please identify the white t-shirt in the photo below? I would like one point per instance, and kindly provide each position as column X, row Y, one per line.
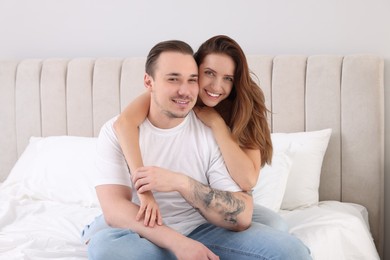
column 189, row 148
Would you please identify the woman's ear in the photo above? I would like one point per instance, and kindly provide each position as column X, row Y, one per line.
column 148, row 81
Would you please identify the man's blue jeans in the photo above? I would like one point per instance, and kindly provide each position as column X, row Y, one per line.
column 268, row 240
column 260, row 215
column 257, row 242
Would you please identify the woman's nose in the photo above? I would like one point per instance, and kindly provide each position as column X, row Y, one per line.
column 217, row 83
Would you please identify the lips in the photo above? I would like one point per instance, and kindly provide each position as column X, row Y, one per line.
column 181, row 102
column 211, row 94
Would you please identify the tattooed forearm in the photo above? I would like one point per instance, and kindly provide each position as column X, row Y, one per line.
column 222, row 202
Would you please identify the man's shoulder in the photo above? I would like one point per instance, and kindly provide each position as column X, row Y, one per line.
column 110, row 122
column 200, row 128
column 107, row 129
column 196, row 121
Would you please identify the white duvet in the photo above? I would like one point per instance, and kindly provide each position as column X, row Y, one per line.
column 33, row 229
column 333, row 230
column 49, row 197
column 38, row 229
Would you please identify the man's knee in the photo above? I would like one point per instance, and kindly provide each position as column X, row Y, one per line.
column 114, row 243
column 99, row 246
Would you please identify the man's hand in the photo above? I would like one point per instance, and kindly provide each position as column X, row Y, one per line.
column 189, row 249
column 157, row 179
column 149, row 210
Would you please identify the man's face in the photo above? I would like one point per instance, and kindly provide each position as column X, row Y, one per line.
column 174, row 88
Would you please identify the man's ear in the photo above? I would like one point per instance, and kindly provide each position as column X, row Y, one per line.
column 148, row 81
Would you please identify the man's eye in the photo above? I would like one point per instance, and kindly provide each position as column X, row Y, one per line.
column 172, row 79
column 193, row 80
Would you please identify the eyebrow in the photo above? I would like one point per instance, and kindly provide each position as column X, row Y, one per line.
column 175, row 74
column 208, row 68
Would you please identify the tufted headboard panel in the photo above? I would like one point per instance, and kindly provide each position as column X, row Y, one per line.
column 345, row 93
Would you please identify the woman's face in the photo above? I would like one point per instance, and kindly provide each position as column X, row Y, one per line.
column 216, row 77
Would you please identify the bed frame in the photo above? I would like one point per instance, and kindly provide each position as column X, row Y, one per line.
column 345, row 93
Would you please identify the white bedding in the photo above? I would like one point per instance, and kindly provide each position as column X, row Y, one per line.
column 32, row 229
column 49, row 197
column 333, row 230
column 39, row 229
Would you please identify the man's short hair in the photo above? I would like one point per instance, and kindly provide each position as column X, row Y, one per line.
column 165, row 46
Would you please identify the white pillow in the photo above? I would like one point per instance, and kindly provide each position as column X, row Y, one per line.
column 304, row 179
column 57, row 168
column 271, row 185
column 61, row 168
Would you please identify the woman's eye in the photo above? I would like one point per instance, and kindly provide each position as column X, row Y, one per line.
column 229, row 79
column 209, row 73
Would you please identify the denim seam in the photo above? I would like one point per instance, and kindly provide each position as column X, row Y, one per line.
column 237, row 252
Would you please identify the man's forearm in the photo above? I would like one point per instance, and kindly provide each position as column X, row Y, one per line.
column 231, row 210
column 160, row 235
column 120, row 212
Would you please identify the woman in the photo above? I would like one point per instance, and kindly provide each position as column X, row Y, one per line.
column 233, row 106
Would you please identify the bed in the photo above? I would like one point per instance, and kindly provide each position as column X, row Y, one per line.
column 326, row 178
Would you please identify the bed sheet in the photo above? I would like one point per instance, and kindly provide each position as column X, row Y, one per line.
column 33, row 229
column 41, row 229
column 333, row 230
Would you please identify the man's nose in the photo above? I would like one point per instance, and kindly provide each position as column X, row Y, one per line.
column 185, row 88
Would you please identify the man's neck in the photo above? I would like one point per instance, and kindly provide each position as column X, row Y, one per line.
column 163, row 121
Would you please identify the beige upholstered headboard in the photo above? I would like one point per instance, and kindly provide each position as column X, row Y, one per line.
column 75, row 97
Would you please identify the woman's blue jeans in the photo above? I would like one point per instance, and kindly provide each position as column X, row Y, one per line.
column 269, row 218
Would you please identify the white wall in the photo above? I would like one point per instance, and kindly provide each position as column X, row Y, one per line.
column 95, row 28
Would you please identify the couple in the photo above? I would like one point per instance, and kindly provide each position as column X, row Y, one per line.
column 201, row 165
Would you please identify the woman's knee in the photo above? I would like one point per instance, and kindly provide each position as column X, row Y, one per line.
column 269, row 218
column 294, row 248
column 284, row 245
column 278, row 223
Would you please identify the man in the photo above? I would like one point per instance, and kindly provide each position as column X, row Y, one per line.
column 206, row 215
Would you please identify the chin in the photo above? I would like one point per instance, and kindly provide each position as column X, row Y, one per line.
column 211, row 103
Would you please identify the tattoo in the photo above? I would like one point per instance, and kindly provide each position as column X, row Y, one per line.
column 227, row 205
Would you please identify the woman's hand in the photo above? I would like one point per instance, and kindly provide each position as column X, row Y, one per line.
column 152, row 178
column 149, row 210
column 209, row 116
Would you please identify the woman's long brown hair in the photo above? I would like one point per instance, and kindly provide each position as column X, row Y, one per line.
column 247, row 113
